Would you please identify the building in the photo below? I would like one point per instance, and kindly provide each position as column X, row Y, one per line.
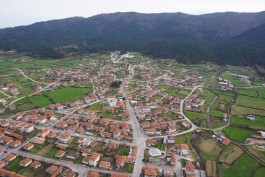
column 25, row 162
column 94, row 158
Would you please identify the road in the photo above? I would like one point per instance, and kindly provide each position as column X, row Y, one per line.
column 22, row 72
column 138, row 137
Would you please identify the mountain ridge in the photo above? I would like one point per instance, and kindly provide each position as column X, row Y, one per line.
column 187, row 38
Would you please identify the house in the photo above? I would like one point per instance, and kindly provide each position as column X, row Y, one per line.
column 182, row 149
column 86, row 160
column 226, row 141
column 169, row 140
column 28, row 128
column 25, row 162
column 117, row 133
column 28, row 146
column 2, row 164
column 173, row 160
column 94, row 158
column 7, row 173
column 150, row 171
column 172, row 129
column 154, row 152
column 122, row 160
column 15, row 143
column 190, row 169
column 60, row 154
column 134, row 151
column 105, row 165
column 9, row 158
column 38, row 141
column 2, row 152
column 150, row 142
column 151, row 131
column 6, row 140
column 35, row 164
column 93, row 174
column 53, row 169
column 44, row 133
column 119, row 175
column 64, row 137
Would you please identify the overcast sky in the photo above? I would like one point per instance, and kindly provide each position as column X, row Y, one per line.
column 25, row 12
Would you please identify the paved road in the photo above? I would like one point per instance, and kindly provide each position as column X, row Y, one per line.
column 138, row 137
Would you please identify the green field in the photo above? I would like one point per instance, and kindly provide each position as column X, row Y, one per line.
column 193, row 116
column 216, row 113
column 250, row 102
column 52, row 152
column 184, row 139
column 40, row 101
column 260, row 90
column 260, row 172
column 243, row 167
column 67, row 94
column 96, row 106
column 239, row 110
column 251, row 93
column 123, row 150
column 259, row 123
column 238, row 134
column 57, row 96
column 14, row 165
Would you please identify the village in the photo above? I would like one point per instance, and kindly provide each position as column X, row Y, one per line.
column 125, row 115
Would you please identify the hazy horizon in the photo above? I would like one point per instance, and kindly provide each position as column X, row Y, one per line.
column 20, row 13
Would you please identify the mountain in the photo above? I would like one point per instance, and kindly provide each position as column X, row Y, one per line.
column 226, row 38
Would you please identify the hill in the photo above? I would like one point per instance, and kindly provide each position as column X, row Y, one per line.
column 233, row 38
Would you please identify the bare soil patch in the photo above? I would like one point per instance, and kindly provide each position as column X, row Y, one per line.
column 211, row 168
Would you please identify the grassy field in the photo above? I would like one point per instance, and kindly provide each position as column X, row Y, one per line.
column 173, row 91
column 260, row 90
column 51, row 153
column 243, row 167
column 13, row 166
column 238, row 134
column 72, row 142
column 231, row 153
column 248, row 92
column 240, row 110
column 209, row 149
column 96, row 106
column 216, row 113
column 260, row 172
column 40, row 101
column 123, row 150
column 259, row 123
column 193, row 116
column 128, row 168
column 250, row 102
column 159, row 144
column 184, row 139
column 67, row 94
column 57, row 96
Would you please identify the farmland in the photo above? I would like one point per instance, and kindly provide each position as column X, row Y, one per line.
column 238, row 134
column 245, row 166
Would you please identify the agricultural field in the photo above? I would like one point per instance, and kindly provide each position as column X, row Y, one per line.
column 230, row 154
column 60, row 95
column 245, row 166
column 250, row 102
column 258, row 123
column 238, row 134
column 210, row 149
column 242, row 111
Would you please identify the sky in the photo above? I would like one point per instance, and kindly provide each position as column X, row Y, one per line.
column 25, row 12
